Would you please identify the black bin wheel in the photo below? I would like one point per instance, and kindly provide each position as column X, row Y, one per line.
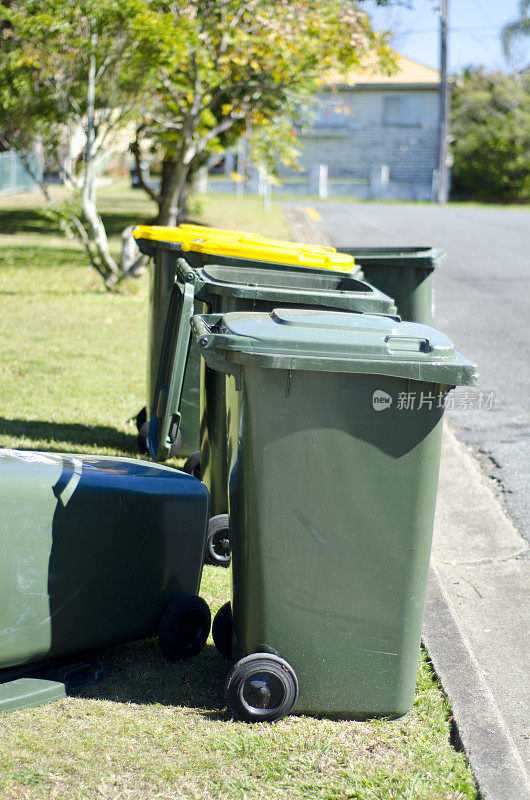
column 184, row 627
column 142, row 437
column 141, row 417
column 261, row 688
column 222, row 631
column 193, row 464
column 217, row 550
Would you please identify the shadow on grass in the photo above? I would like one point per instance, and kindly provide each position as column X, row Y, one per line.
column 72, row 433
column 34, row 220
column 26, row 220
column 138, row 673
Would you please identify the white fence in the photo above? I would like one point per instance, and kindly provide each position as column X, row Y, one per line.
column 378, row 184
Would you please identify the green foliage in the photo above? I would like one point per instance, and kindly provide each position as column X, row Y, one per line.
column 242, row 65
column 72, row 75
column 46, row 47
column 491, row 130
column 516, row 31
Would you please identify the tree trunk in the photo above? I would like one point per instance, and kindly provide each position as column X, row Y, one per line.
column 96, row 230
column 173, row 191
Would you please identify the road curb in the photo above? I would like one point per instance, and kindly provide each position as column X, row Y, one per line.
column 493, row 756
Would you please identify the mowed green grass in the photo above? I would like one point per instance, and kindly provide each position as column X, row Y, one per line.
column 72, row 375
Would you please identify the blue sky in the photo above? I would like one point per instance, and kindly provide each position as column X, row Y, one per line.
column 474, row 38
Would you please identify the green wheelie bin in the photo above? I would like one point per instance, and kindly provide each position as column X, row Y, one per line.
column 405, row 273
column 201, row 246
column 95, row 551
column 332, row 496
column 224, row 288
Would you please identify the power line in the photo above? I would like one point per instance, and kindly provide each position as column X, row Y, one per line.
column 481, row 10
column 484, row 47
column 462, row 29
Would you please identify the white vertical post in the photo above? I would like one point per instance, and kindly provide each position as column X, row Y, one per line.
column 262, row 179
column 379, row 178
column 267, row 195
column 202, row 182
column 323, row 180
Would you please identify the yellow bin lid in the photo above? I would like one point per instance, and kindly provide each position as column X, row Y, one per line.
column 250, row 246
column 202, row 229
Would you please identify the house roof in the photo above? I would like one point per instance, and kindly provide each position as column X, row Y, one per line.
column 408, row 72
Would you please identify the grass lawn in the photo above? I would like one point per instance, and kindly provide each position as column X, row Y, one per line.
column 72, row 374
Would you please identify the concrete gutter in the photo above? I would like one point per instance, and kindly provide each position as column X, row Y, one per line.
column 474, row 626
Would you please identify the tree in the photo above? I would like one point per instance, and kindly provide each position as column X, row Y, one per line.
column 491, row 130
column 241, row 65
column 514, row 31
column 75, row 70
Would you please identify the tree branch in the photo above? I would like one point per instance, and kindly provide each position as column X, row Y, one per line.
column 136, row 151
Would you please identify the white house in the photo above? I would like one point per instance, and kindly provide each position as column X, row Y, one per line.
column 370, row 136
column 376, row 135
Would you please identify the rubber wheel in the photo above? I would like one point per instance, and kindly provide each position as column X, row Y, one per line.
column 184, row 627
column 143, row 434
column 141, row 439
column 141, row 417
column 217, row 550
column 222, row 631
column 193, row 464
column 261, row 688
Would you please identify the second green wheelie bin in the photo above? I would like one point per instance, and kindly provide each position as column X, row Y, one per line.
column 405, row 273
column 332, row 497
column 203, row 246
column 223, row 288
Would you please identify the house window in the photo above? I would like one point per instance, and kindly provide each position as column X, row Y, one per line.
column 402, row 111
column 331, row 114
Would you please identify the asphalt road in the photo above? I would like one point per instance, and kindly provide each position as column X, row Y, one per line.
column 483, row 304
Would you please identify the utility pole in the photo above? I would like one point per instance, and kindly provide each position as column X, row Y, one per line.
column 443, row 182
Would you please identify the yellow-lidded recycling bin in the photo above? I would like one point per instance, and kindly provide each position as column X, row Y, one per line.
column 201, row 246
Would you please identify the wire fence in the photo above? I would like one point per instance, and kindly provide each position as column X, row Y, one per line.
column 14, row 177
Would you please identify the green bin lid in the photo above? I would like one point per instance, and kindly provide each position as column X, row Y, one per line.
column 333, row 341
column 327, row 288
column 424, row 258
column 164, row 419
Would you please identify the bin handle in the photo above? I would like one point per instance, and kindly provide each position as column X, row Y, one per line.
column 408, row 344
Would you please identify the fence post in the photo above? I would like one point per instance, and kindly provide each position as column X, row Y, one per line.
column 262, row 179
column 267, row 194
column 379, row 178
column 323, row 180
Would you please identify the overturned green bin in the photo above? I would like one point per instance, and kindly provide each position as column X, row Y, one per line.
column 332, row 496
column 96, row 551
column 224, row 288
